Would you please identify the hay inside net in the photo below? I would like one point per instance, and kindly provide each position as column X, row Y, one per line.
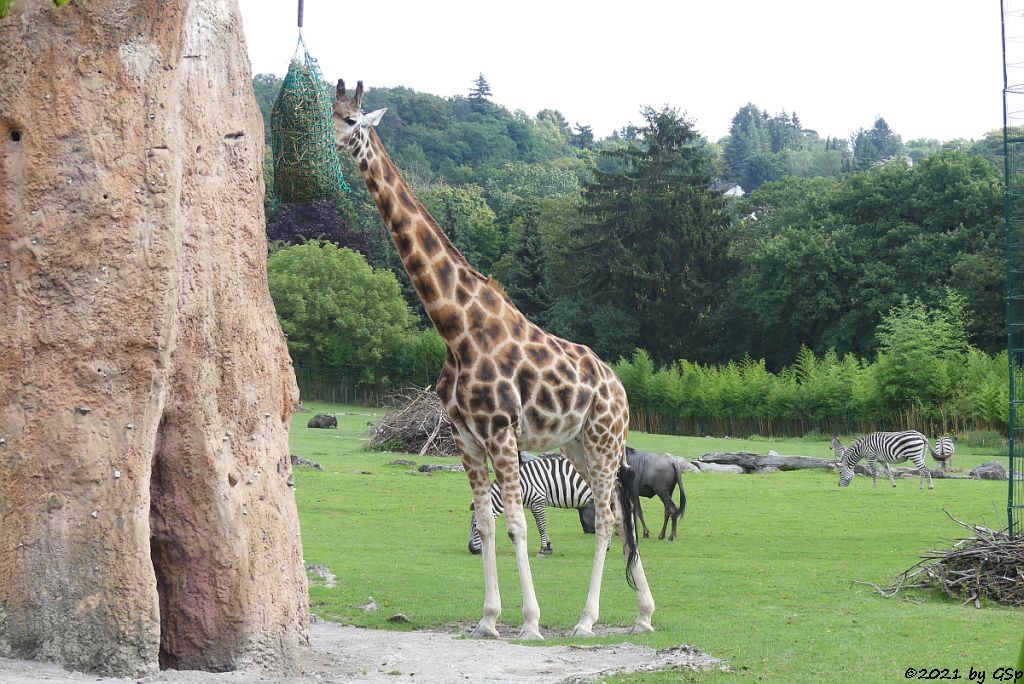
column 306, row 165
column 418, row 425
column 988, row 565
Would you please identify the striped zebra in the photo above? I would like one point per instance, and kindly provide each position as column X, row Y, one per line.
column 943, row 451
column 546, row 481
column 887, row 447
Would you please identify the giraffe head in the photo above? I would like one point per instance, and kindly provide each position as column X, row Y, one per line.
column 351, row 124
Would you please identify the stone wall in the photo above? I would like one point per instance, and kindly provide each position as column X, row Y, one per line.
column 145, row 385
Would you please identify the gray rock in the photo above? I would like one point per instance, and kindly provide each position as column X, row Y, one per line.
column 993, row 470
column 687, row 464
column 323, row 420
column 445, row 467
column 299, row 461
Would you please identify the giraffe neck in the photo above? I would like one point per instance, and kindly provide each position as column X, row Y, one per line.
column 438, row 271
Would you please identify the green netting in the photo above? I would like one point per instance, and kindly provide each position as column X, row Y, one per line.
column 306, row 166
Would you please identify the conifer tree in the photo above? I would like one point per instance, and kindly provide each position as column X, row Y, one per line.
column 527, row 282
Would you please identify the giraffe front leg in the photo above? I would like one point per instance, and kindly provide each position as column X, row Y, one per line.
column 505, row 456
column 475, row 463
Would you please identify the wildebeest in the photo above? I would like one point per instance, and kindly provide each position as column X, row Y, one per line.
column 656, row 475
column 323, row 420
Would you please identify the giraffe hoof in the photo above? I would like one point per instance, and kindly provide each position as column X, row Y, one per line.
column 530, row 634
column 582, row 632
column 483, row 631
column 642, row 627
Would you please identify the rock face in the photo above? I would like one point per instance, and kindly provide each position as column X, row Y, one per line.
column 145, row 386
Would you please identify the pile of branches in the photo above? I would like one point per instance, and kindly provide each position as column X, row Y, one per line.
column 988, row 565
column 417, row 425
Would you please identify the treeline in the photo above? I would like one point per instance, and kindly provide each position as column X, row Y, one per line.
column 622, row 243
column 925, row 377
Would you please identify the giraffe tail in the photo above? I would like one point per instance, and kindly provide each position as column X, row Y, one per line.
column 626, row 475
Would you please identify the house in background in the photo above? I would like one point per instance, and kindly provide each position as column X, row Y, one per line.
column 726, row 188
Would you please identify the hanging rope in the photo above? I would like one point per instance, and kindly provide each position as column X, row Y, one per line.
column 306, row 165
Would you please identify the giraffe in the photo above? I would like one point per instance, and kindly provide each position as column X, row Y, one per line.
column 506, row 385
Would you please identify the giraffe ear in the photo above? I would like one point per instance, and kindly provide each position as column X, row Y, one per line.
column 374, row 117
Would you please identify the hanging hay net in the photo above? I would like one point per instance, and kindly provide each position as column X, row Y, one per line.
column 306, row 165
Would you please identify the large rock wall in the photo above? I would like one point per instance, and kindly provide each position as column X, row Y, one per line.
column 145, row 386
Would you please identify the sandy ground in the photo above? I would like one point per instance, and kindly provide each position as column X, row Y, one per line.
column 351, row 654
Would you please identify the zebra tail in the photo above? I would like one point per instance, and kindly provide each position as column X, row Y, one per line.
column 626, row 476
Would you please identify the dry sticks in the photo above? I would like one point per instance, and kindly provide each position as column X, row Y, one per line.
column 418, row 425
column 988, row 565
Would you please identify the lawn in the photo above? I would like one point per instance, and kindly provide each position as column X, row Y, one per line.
column 763, row 575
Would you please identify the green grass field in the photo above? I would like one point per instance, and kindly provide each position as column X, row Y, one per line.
column 763, row 574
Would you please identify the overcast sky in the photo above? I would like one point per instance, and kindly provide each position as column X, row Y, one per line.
column 931, row 68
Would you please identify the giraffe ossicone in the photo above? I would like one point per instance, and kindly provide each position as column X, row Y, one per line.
column 506, row 385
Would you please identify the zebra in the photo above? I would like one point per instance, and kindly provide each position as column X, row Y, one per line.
column 546, row 481
column 943, row 451
column 887, row 447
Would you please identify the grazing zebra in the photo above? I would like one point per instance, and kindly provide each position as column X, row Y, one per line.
column 887, row 447
column 943, row 451
column 546, row 481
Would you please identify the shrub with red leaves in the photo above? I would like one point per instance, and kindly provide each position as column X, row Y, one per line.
column 302, row 222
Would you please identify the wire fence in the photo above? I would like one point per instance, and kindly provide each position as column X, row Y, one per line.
column 1013, row 206
column 352, row 386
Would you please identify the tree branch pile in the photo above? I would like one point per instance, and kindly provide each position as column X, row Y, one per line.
column 988, row 565
column 418, row 425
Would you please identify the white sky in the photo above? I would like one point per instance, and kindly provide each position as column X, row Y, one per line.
column 931, row 68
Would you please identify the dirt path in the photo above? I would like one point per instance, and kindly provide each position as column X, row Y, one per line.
column 352, row 654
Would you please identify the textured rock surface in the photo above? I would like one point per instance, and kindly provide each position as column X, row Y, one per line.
column 145, row 386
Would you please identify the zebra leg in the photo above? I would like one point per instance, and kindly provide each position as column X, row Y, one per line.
column 922, row 468
column 874, row 471
column 505, row 457
column 889, row 473
column 538, row 517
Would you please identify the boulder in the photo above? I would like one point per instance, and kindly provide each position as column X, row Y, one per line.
column 145, row 383
column 685, row 464
column 300, row 461
column 993, row 470
column 442, row 467
column 323, row 420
